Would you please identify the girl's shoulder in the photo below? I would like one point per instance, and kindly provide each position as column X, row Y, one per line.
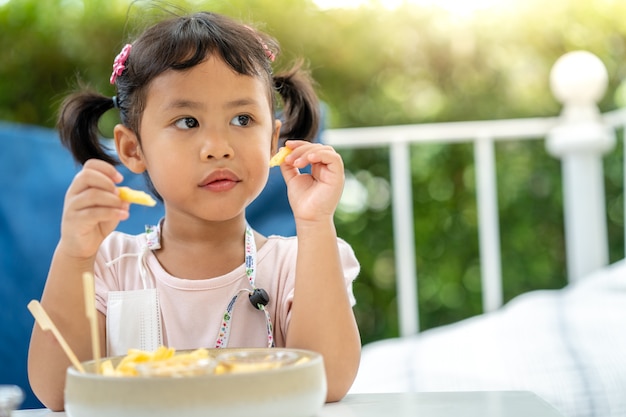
column 289, row 241
column 279, row 246
column 119, row 243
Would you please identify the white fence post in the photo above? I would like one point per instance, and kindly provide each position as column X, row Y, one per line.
column 488, row 222
column 580, row 139
column 404, row 238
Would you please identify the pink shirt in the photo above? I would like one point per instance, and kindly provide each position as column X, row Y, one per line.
column 191, row 310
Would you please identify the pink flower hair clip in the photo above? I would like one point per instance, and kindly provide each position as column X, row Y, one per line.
column 270, row 55
column 268, row 52
column 118, row 63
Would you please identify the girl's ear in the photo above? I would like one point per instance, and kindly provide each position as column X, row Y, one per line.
column 128, row 149
column 276, row 135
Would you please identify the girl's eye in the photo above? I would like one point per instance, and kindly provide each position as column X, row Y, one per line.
column 241, row 120
column 186, row 123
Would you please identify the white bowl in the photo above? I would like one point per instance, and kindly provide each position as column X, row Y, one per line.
column 296, row 388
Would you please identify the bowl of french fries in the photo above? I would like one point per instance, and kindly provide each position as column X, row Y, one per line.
column 260, row 382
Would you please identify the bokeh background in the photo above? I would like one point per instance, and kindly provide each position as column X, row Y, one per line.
column 381, row 63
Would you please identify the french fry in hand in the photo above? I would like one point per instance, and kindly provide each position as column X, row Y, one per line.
column 280, row 156
column 136, row 196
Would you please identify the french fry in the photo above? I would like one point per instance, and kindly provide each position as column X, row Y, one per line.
column 136, row 196
column 161, row 362
column 107, row 369
column 280, row 156
column 43, row 320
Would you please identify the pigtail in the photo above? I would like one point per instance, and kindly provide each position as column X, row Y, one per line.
column 78, row 125
column 301, row 112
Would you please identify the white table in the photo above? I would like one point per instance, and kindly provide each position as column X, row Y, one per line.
column 442, row 404
column 422, row 404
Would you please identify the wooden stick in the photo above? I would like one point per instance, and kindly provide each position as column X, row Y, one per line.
column 92, row 316
column 42, row 318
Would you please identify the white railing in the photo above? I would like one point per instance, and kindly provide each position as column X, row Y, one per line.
column 579, row 137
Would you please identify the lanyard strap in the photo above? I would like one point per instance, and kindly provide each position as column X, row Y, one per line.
column 258, row 296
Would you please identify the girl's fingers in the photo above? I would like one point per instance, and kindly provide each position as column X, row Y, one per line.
column 92, row 208
column 316, row 194
column 306, row 153
column 96, row 174
column 105, row 168
column 95, row 197
column 95, row 185
column 96, row 215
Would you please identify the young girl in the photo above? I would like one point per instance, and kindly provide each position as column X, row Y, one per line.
column 196, row 96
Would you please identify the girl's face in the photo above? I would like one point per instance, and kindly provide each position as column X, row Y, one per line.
column 207, row 135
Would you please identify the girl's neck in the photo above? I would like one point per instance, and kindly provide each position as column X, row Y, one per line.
column 196, row 233
column 201, row 250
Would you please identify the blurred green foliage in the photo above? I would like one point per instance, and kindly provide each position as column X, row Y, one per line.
column 376, row 66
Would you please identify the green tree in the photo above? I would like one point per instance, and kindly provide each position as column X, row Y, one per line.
column 376, row 66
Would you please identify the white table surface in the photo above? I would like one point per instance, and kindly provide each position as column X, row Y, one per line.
column 422, row 404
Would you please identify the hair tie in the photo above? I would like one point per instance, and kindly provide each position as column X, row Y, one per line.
column 116, row 105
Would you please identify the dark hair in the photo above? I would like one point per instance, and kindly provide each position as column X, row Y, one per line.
column 177, row 44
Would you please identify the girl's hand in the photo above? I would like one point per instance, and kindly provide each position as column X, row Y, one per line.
column 92, row 209
column 316, row 195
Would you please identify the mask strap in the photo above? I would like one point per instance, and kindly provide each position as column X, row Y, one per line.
column 258, row 296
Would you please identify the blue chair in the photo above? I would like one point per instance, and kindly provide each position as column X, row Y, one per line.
column 35, row 171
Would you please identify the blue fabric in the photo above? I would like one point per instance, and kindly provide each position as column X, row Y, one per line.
column 35, row 171
column 270, row 213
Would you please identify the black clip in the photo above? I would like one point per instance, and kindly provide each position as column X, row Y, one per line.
column 259, row 298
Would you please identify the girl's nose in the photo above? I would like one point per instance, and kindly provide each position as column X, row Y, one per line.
column 216, row 146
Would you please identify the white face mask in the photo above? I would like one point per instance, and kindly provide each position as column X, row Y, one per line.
column 134, row 317
column 133, row 321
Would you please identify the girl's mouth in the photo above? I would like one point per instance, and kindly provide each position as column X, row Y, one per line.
column 221, row 180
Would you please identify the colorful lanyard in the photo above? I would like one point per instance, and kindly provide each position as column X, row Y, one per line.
column 258, row 296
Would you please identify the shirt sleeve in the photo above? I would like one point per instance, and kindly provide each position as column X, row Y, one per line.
column 351, row 267
column 118, row 257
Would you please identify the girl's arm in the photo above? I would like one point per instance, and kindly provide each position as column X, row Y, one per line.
column 322, row 319
column 92, row 209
